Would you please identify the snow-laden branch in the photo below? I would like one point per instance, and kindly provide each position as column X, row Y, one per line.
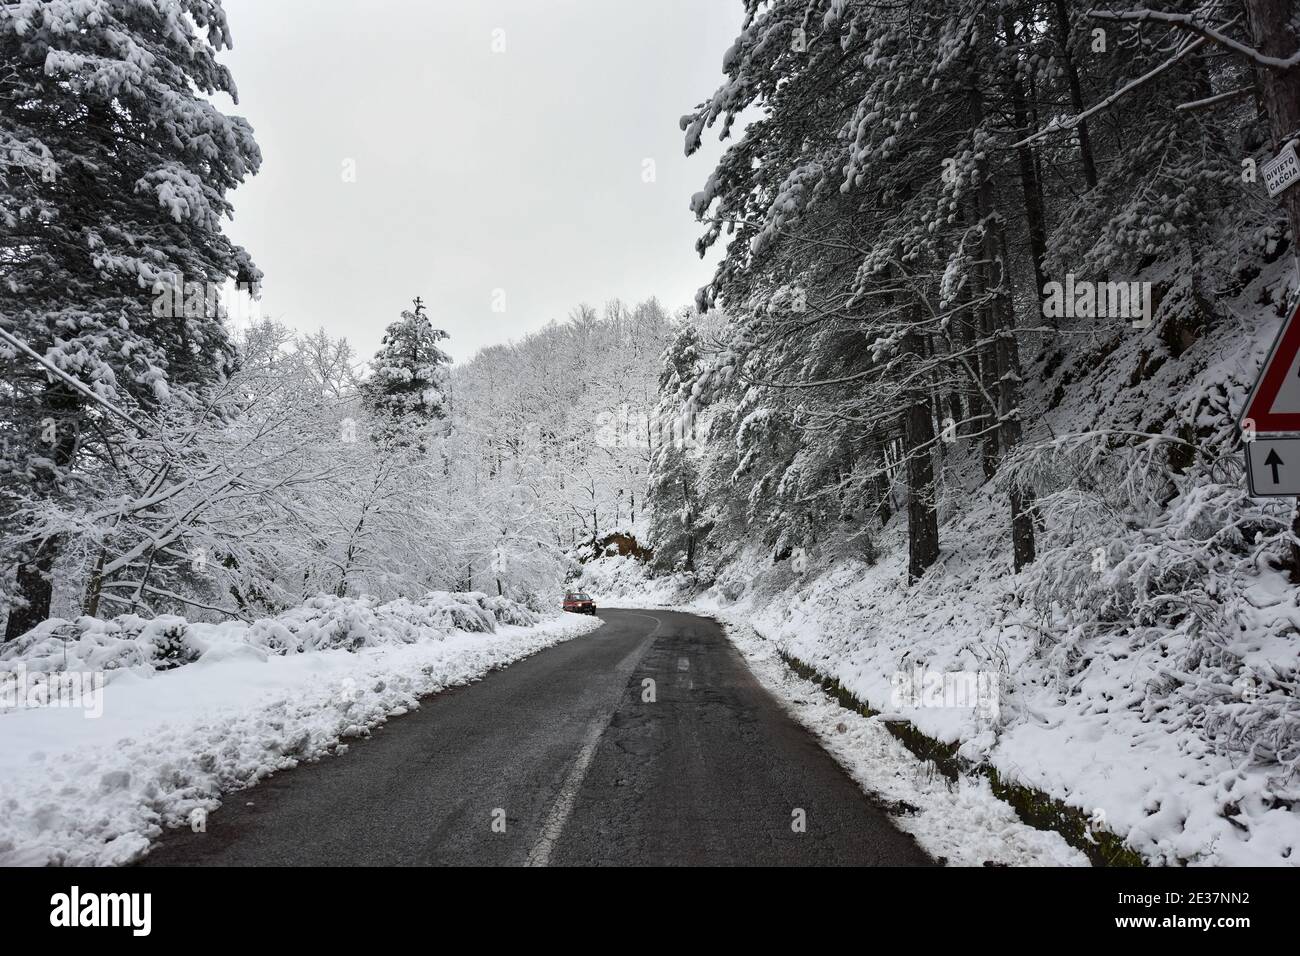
column 71, row 381
column 1069, row 123
column 1216, row 99
column 1197, row 24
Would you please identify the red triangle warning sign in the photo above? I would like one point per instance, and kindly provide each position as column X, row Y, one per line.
column 1274, row 404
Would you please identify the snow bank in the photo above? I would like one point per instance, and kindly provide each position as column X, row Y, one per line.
column 89, row 644
column 249, row 700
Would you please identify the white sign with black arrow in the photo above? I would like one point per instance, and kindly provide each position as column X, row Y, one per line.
column 1273, row 466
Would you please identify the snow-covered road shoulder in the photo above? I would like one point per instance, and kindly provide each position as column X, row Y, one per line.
column 76, row 790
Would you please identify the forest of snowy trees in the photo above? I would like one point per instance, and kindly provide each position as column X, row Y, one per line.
column 303, row 469
column 153, row 460
column 918, row 181
column 568, row 415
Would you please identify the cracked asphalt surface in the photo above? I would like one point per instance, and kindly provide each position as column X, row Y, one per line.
column 569, row 755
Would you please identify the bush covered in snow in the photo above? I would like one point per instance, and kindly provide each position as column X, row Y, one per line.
column 1180, row 573
column 507, row 611
column 89, row 644
column 322, row 623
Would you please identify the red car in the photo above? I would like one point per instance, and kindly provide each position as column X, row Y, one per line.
column 579, row 603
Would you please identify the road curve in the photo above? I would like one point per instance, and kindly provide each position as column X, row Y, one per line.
column 567, row 753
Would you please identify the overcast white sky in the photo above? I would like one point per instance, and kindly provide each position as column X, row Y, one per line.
column 475, row 170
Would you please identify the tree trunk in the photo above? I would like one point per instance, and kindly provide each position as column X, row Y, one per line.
column 1272, row 34
column 34, row 584
column 1030, row 186
column 967, row 321
column 688, row 516
column 979, row 329
column 879, row 485
column 1063, row 28
column 922, row 519
column 1006, row 356
column 95, row 588
column 988, row 365
column 918, row 445
column 35, row 588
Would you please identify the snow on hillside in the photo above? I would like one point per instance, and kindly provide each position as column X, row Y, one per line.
column 190, row 712
column 1083, row 735
column 620, row 581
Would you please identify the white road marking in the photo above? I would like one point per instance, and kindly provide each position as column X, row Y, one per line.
column 553, row 828
column 562, row 809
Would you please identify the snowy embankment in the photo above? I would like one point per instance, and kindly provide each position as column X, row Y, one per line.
column 961, row 823
column 192, row 711
column 1098, row 725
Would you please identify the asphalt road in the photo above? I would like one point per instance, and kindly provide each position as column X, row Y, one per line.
column 563, row 752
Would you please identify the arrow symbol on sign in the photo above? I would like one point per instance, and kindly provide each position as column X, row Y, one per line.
column 1273, row 460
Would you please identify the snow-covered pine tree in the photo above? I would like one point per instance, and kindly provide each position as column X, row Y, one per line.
column 1261, row 36
column 677, row 526
column 408, row 390
column 114, row 170
column 841, row 235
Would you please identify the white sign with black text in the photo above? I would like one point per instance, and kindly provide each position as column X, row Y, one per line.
column 1282, row 171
